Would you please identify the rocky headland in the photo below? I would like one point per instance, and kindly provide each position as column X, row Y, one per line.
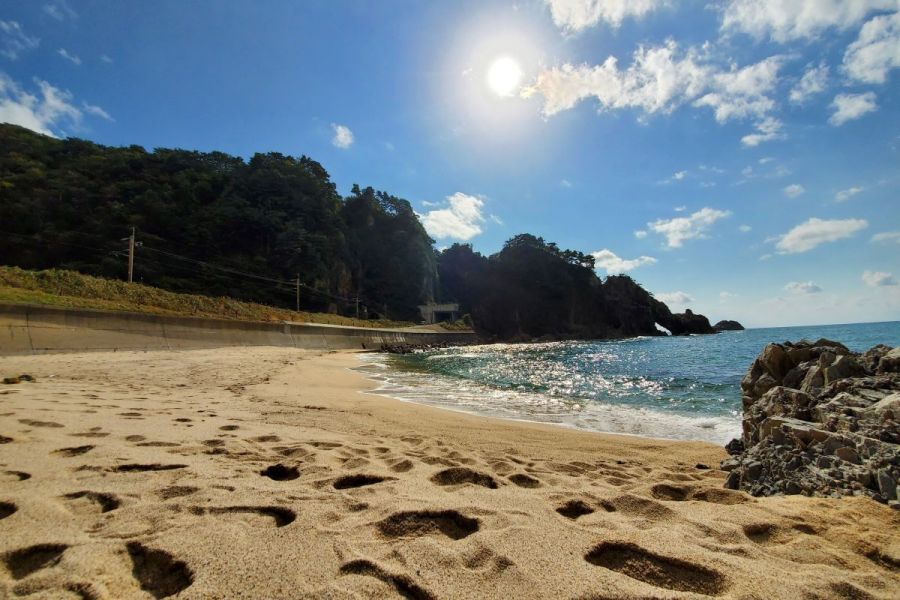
column 819, row 420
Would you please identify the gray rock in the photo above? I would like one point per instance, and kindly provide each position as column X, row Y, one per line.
column 819, row 420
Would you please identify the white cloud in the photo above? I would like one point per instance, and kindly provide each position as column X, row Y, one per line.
column 60, row 10
column 786, row 20
column 679, row 175
column 343, row 137
column 663, row 78
column 794, row 190
column 640, row 234
column 725, row 296
column 105, row 58
column 614, row 265
column 765, row 160
column 496, row 219
column 460, row 220
column 42, row 114
column 876, row 51
column 767, row 129
column 813, row 82
column 803, row 287
column 878, row 279
column 675, row 298
column 745, row 228
column 96, row 111
column 741, row 93
column 887, row 236
column 681, row 208
column 681, row 229
column 813, row 232
column 14, row 41
column 565, row 183
column 575, row 15
column 69, row 57
column 844, row 195
column 848, row 107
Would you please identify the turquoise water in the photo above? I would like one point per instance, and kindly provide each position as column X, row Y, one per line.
column 665, row 387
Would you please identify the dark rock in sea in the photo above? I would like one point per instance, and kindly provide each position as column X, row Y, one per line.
column 684, row 323
column 728, row 326
column 820, row 420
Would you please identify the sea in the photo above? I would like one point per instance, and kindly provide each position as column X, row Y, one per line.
column 685, row 387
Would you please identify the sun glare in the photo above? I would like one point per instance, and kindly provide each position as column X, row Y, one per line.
column 503, row 76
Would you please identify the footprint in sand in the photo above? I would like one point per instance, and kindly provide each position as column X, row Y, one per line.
column 135, row 438
column 281, row 472
column 33, row 423
column 402, row 584
column 461, row 475
column 275, row 515
column 680, row 493
column 450, row 523
column 524, row 481
column 358, row 480
column 74, row 451
column 5, row 440
column 158, row 572
column 141, row 468
column 88, row 502
column 23, row 562
column 574, row 509
column 14, row 475
column 7, row 509
column 661, row 571
column 176, row 491
column 229, row 427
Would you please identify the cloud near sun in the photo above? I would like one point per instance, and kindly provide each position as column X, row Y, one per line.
column 664, row 77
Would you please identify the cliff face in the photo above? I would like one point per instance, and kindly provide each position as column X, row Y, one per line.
column 820, row 420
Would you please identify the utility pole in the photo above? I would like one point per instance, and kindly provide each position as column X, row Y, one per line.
column 131, row 257
column 298, row 292
column 357, row 306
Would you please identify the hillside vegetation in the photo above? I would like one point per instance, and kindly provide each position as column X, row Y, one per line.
column 227, row 237
column 68, row 289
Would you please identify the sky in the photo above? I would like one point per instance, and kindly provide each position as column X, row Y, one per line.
column 737, row 157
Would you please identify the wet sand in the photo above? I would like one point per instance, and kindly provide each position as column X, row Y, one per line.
column 269, row 473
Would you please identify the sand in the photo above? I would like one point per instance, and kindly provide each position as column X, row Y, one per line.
column 269, row 473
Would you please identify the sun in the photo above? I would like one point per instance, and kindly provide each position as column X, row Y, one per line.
column 503, row 76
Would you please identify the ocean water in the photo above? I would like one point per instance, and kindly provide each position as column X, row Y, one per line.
column 661, row 387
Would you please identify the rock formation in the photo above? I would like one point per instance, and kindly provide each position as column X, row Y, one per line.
column 728, row 326
column 819, row 420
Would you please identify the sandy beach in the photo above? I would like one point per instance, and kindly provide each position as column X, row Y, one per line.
column 270, row 473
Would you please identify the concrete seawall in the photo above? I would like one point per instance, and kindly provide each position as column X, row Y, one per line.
column 26, row 329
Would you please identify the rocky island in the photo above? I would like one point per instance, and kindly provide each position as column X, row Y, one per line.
column 819, row 420
column 727, row 325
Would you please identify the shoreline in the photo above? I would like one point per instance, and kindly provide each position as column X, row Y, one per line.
column 275, row 472
column 612, row 418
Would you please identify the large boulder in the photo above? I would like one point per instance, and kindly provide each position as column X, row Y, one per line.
column 820, row 420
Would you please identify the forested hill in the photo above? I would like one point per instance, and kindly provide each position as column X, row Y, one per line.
column 215, row 224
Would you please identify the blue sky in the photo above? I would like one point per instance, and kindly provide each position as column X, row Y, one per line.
column 738, row 157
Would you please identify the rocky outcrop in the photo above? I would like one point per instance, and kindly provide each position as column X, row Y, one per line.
column 819, row 420
column 684, row 323
column 728, row 326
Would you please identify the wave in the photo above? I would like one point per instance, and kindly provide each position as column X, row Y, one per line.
column 472, row 397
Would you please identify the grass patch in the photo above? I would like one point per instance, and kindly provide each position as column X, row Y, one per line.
column 70, row 289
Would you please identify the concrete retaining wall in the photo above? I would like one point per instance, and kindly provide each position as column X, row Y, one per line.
column 26, row 329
